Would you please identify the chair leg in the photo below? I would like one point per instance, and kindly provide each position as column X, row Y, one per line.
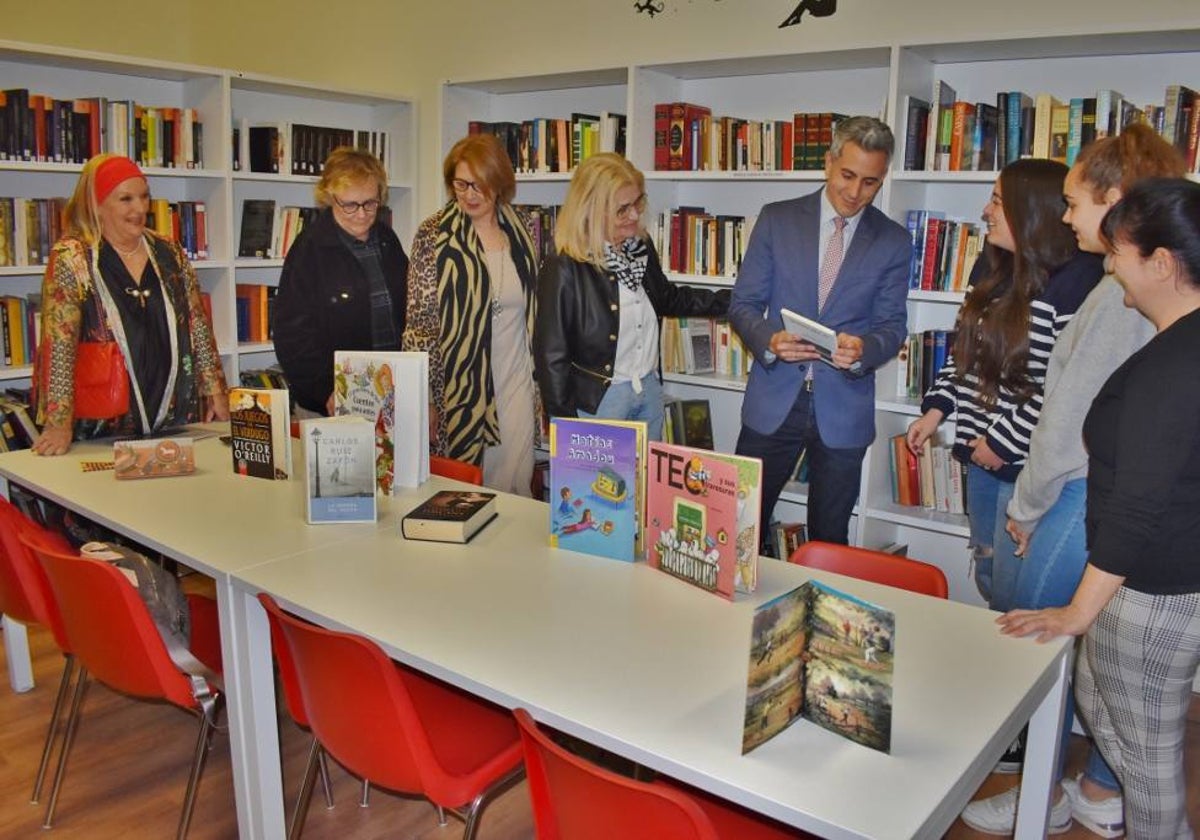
column 323, row 766
column 72, row 724
column 64, row 686
column 315, row 754
column 441, row 812
column 198, row 759
column 487, row 796
column 365, row 802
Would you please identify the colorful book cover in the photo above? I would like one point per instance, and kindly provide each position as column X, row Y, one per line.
column 597, row 486
column 823, row 655
column 154, row 458
column 339, row 458
column 749, row 500
column 367, row 384
column 691, row 516
column 260, row 432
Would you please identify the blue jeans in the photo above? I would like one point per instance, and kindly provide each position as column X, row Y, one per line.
column 620, row 402
column 834, row 475
column 992, row 548
column 1047, row 576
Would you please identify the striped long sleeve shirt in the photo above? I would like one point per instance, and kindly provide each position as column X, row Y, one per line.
column 1008, row 424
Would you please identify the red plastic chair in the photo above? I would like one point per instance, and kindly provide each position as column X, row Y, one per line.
column 114, row 638
column 875, row 566
column 460, row 470
column 25, row 596
column 294, row 701
column 399, row 728
column 574, row 799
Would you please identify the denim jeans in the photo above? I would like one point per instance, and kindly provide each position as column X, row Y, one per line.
column 1047, row 576
column 621, row 402
column 987, row 502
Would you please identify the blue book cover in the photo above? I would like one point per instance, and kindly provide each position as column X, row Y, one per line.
column 596, row 486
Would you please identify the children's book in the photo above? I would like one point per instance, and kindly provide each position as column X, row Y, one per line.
column 824, row 655
column 339, row 459
column 749, row 500
column 691, row 516
column 259, row 429
column 392, row 391
column 597, row 486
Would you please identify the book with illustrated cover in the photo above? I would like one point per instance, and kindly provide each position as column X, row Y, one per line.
column 749, row 500
column 449, row 516
column 597, row 486
column 258, row 228
column 691, row 516
column 339, row 458
column 823, row 655
column 154, row 458
column 259, row 428
column 392, row 391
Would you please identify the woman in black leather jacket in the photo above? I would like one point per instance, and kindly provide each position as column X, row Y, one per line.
column 601, row 298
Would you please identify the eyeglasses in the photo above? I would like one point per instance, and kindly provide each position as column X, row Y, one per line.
column 463, row 187
column 352, row 207
column 638, row 204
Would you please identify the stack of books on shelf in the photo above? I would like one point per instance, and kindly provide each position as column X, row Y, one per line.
column 20, row 328
column 944, row 251
column 690, row 240
column 547, row 144
column 688, row 423
column 28, row 229
column 687, row 137
column 38, row 127
column 255, row 305
column 932, row 480
column 295, row 149
column 950, row 134
column 185, row 222
column 268, row 231
column 786, row 537
column 703, row 345
column 921, row 359
column 271, row 377
column 543, row 218
column 17, row 430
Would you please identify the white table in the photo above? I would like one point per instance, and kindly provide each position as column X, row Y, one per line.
column 620, row 655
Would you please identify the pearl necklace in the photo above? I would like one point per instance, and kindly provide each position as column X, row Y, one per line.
column 130, row 252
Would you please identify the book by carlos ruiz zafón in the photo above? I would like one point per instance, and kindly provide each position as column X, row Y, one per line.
column 597, row 486
column 260, row 432
column 339, row 459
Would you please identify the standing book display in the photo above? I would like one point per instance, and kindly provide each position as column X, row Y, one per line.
column 392, row 391
column 260, row 432
column 597, row 486
column 339, row 459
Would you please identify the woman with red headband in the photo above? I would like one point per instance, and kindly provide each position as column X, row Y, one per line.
column 111, row 279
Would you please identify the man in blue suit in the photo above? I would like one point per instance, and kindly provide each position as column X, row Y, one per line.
column 795, row 402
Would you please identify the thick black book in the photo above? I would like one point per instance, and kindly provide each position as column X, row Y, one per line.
column 450, row 516
column 264, row 148
column 258, row 228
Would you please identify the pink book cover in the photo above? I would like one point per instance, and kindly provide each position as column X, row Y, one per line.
column 691, row 516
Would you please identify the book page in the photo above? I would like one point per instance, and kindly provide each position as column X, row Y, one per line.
column 774, row 687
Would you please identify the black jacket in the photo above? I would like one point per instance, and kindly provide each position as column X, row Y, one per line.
column 324, row 304
column 575, row 338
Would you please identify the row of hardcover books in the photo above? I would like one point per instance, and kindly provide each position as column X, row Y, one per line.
column 297, row 149
column 549, row 144
column 271, row 377
column 255, row 306
column 933, row 479
column 185, row 222
column 703, row 345
column 268, row 230
column 944, row 251
column 543, row 219
column 921, row 358
column 688, row 423
column 36, row 127
column 28, row 229
column 687, row 137
column 951, row 134
column 17, row 430
column 20, row 328
column 690, row 240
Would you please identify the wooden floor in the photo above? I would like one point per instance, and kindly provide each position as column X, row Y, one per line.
column 129, row 767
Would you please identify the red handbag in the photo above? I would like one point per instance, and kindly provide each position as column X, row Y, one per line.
column 101, row 381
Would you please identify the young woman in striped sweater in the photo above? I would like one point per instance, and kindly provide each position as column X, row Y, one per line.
column 1029, row 283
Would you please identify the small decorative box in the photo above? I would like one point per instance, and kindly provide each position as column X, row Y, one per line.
column 154, row 458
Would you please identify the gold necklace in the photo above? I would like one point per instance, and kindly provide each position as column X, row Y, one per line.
column 125, row 253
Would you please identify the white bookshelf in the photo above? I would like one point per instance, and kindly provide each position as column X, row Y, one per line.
column 222, row 97
column 869, row 80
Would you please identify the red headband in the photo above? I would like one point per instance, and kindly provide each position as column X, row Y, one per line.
column 112, row 172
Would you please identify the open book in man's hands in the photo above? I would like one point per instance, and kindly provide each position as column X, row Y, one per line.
column 821, row 337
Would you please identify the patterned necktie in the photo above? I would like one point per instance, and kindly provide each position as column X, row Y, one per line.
column 832, row 262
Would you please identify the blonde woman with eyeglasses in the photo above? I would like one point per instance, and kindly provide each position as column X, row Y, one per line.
column 343, row 280
column 471, row 305
column 601, row 299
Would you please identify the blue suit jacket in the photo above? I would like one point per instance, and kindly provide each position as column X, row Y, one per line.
column 868, row 300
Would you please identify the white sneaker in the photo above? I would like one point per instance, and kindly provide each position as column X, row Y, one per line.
column 1105, row 817
column 998, row 814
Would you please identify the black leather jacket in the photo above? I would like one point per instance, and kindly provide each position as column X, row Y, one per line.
column 324, row 304
column 575, row 339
